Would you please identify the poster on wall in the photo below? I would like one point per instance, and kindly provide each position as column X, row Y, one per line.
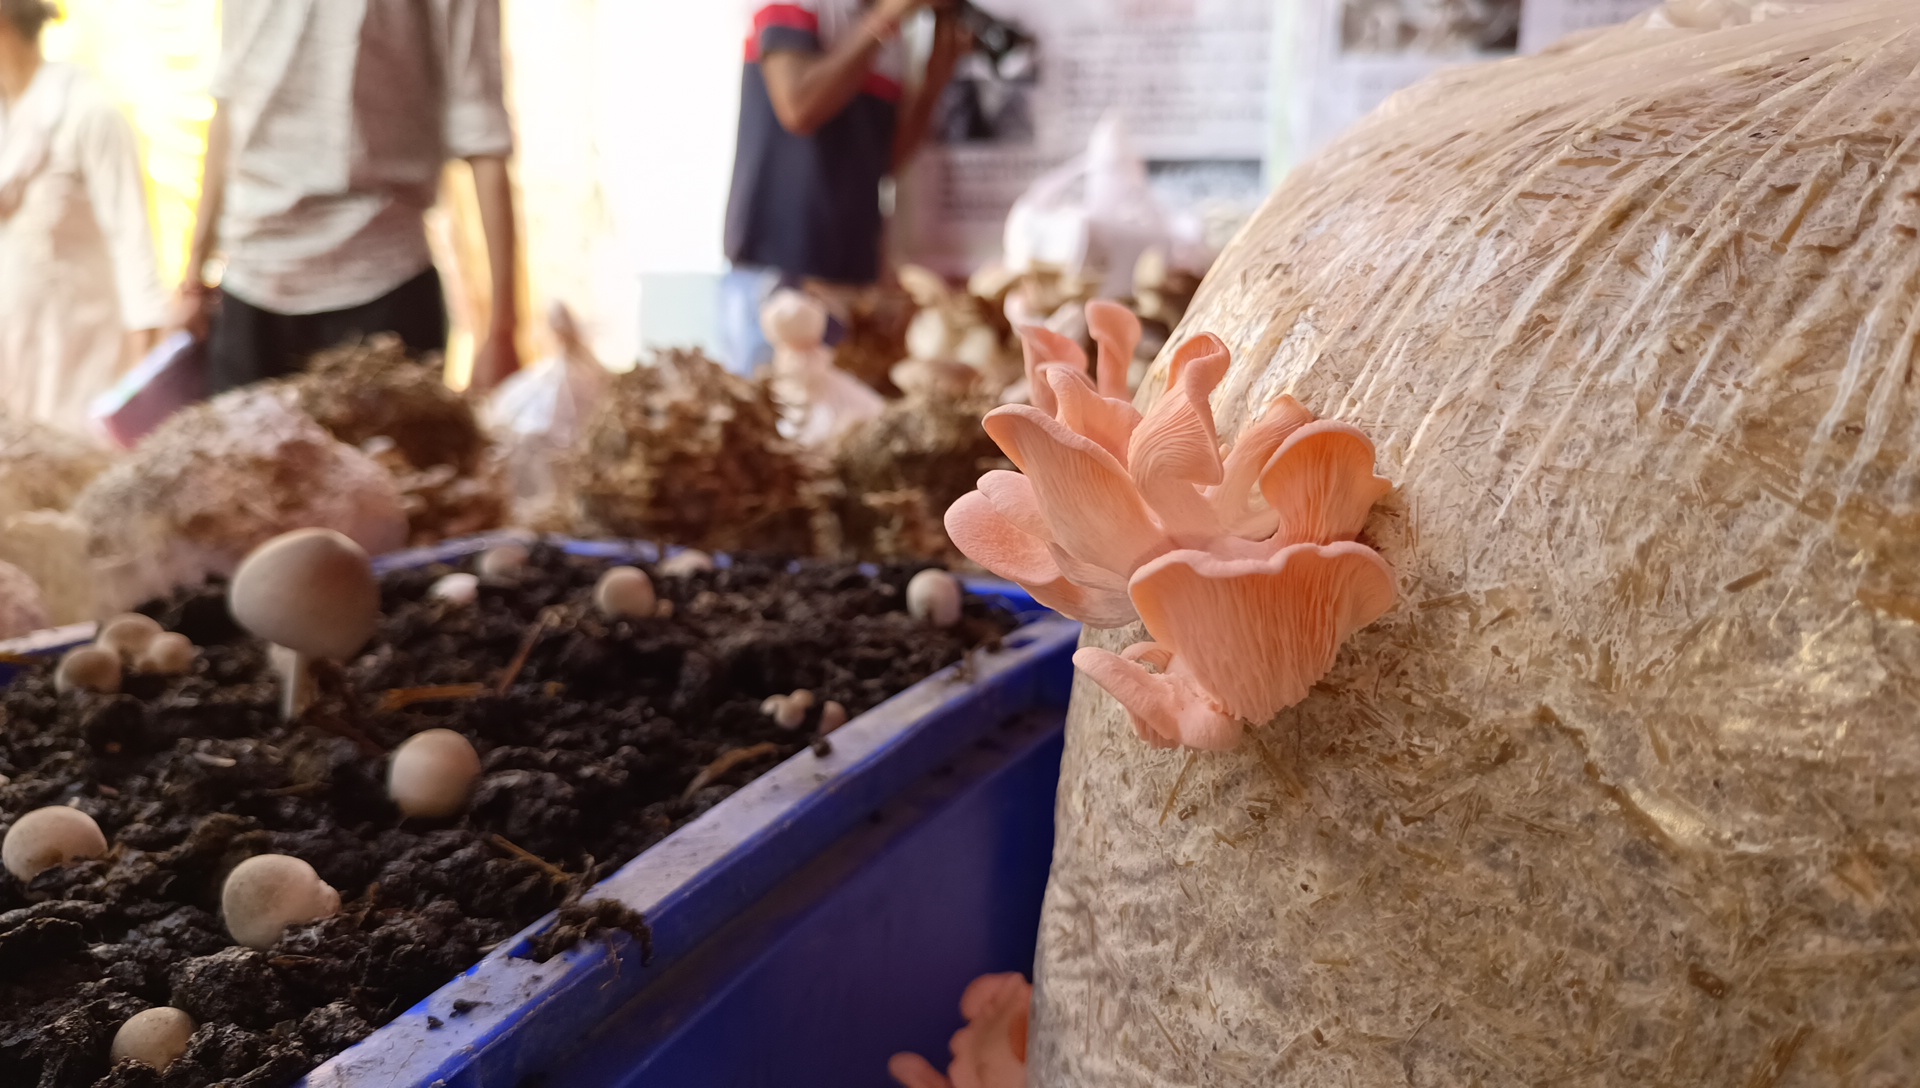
column 1343, row 58
column 1191, row 79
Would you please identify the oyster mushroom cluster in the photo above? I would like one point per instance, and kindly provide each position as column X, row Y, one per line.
column 1243, row 567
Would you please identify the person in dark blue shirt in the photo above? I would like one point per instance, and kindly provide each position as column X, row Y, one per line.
column 825, row 118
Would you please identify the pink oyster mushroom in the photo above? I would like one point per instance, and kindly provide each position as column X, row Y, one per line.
column 1114, row 517
column 991, row 1051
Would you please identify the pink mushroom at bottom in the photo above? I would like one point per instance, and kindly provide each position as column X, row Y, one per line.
column 991, row 1051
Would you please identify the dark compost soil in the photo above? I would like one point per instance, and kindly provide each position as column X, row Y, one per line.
column 586, row 759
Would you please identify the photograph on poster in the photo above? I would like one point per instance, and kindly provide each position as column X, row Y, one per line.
column 1430, row 26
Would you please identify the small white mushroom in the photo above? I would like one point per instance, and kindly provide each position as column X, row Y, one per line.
column 50, row 837
column 456, row 589
column 128, row 635
column 89, row 668
column 311, row 593
column 625, row 593
column 266, row 894
column 154, row 1038
column 786, row 711
column 432, row 774
column 169, row 654
column 934, row 596
column 832, row 717
column 504, row 561
column 683, row 564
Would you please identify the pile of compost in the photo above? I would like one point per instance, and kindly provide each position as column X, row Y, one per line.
column 590, row 756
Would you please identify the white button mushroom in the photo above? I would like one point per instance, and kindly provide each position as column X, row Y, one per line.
column 47, row 838
column 504, row 561
column 683, row 564
column 456, row 589
column 934, row 596
column 89, row 668
column 832, row 717
column 154, row 1038
column 625, row 593
column 432, row 774
column 788, row 711
column 266, row 894
column 128, row 635
column 311, row 592
column 169, row 654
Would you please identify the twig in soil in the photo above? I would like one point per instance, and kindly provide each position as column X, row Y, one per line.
column 519, row 662
column 720, row 767
column 402, row 698
column 331, row 679
column 557, row 873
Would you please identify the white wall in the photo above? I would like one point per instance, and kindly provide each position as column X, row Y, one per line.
column 670, row 96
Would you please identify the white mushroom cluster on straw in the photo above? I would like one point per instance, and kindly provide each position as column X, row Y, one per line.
column 313, row 595
column 47, row 838
column 267, row 894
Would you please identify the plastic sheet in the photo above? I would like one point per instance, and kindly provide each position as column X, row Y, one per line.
column 1623, row 792
column 538, row 414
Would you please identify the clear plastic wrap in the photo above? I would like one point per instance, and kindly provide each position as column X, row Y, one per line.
column 1624, row 791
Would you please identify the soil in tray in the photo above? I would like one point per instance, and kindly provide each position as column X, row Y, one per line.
column 588, row 760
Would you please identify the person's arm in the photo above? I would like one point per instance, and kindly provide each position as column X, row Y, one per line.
column 478, row 130
column 499, row 354
column 810, row 89
column 951, row 40
column 117, row 191
column 192, row 306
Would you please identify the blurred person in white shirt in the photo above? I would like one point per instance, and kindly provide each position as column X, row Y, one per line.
column 80, row 297
column 333, row 122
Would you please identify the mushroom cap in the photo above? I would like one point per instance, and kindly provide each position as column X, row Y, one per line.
column 50, row 837
column 128, row 635
column 155, row 1037
column 312, row 591
column 168, row 654
column 89, row 668
column 625, row 593
column 504, row 560
column 266, row 894
column 934, row 596
column 684, row 563
column 832, row 716
column 432, row 774
column 461, row 589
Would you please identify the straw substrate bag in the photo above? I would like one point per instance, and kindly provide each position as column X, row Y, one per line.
column 1626, row 790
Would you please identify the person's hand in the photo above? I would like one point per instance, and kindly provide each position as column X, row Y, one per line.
column 192, row 310
column 952, row 39
column 896, row 11
column 497, row 360
column 137, row 345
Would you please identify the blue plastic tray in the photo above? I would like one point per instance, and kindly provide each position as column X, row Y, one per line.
column 508, row 1019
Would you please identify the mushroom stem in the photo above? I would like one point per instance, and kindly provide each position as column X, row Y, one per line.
column 297, row 687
